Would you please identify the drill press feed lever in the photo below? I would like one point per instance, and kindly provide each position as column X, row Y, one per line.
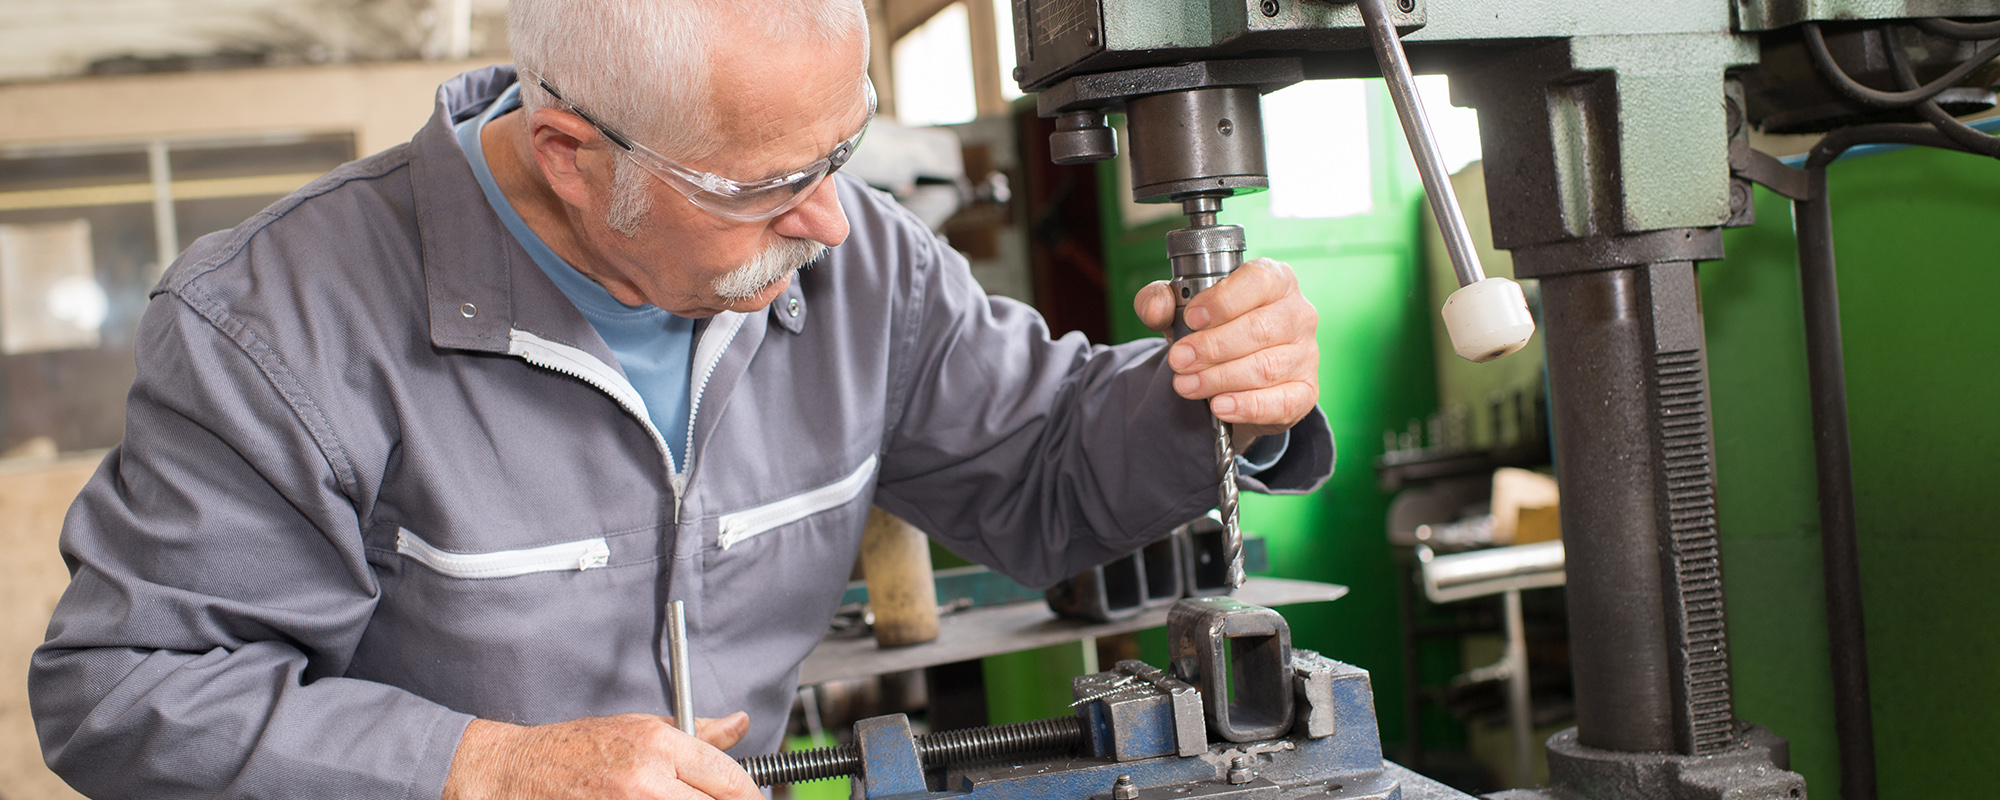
column 1143, row 733
column 1486, row 317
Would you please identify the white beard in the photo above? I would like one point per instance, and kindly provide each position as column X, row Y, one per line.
column 776, row 263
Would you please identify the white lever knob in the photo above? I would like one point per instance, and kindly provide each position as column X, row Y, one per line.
column 1488, row 319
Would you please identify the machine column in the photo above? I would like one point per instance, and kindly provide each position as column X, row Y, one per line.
column 1628, row 379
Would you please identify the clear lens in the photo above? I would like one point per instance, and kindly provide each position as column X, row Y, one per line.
column 762, row 203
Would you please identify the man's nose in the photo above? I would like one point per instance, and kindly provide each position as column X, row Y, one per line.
column 819, row 218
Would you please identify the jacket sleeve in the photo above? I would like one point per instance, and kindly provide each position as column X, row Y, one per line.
column 218, row 591
column 1042, row 457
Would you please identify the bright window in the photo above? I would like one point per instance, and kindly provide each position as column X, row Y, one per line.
column 1316, row 146
column 934, row 71
column 1456, row 129
column 1003, row 27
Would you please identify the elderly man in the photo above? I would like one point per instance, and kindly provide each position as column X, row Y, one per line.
column 417, row 456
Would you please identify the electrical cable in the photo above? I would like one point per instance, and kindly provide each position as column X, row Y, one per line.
column 1963, row 31
column 1839, row 140
column 1833, row 457
column 1876, row 98
column 1833, row 467
column 1960, row 133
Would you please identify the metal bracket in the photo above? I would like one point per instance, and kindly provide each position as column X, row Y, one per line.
column 1203, row 557
column 1240, row 656
column 1110, row 591
column 1614, row 252
column 1108, row 90
column 1767, row 171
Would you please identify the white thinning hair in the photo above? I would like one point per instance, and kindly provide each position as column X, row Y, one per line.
column 641, row 66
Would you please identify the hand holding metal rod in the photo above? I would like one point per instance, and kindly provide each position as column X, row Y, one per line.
column 1487, row 317
column 677, row 662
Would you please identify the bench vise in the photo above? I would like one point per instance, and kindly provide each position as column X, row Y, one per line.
column 1239, row 714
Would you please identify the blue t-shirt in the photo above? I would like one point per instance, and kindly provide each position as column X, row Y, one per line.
column 654, row 347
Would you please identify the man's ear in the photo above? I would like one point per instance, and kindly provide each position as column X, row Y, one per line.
column 561, row 142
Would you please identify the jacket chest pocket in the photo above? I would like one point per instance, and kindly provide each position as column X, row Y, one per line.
column 564, row 557
column 741, row 526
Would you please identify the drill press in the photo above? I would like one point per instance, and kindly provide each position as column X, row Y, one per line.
column 1608, row 132
column 1197, row 137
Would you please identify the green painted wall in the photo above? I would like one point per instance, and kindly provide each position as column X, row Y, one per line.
column 1918, row 260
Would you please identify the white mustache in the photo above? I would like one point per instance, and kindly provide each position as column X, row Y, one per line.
column 776, row 263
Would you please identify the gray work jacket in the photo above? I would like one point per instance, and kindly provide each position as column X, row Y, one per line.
column 380, row 477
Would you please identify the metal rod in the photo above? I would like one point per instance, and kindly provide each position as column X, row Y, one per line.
column 1826, row 375
column 1035, row 737
column 1840, row 552
column 166, row 232
column 677, row 656
column 1520, row 711
column 1417, row 129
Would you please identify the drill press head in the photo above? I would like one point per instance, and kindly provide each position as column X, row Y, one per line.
column 1204, row 142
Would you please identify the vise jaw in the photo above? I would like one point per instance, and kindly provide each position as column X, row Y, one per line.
column 1138, row 711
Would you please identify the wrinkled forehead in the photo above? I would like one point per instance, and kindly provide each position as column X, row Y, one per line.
column 779, row 111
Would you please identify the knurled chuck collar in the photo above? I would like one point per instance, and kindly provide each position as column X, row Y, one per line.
column 1205, row 239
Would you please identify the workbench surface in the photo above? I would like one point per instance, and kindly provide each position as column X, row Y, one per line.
column 993, row 630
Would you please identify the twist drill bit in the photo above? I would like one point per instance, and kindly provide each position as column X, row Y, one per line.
column 1232, row 536
column 1202, row 255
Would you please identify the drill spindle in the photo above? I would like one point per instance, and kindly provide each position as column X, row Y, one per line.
column 1202, row 255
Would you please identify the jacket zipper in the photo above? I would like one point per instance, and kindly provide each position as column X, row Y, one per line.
column 706, row 358
column 750, row 522
column 585, row 367
column 583, row 555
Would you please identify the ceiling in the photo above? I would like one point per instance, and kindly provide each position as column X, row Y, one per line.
column 42, row 39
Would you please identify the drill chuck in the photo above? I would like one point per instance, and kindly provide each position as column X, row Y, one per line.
column 1202, row 256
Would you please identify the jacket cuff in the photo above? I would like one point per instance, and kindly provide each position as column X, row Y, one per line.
column 440, row 749
column 1264, row 454
column 1306, row 463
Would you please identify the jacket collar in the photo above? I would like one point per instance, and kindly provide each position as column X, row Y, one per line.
column 480, row 284
column 471, row 265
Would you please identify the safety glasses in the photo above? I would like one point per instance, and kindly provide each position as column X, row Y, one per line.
column 743, row 201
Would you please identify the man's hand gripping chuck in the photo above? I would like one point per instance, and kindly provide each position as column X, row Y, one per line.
column 1252, row 354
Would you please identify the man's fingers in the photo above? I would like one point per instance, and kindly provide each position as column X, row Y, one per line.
column 1252, row 353
column 1287, row 322
column 1270, row 366
column 722, row 733
column 1259, row 282
column 1155, row 306
column 713, row 773
column 1264, row 412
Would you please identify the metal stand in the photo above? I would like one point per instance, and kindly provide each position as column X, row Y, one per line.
column 1506, row 571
